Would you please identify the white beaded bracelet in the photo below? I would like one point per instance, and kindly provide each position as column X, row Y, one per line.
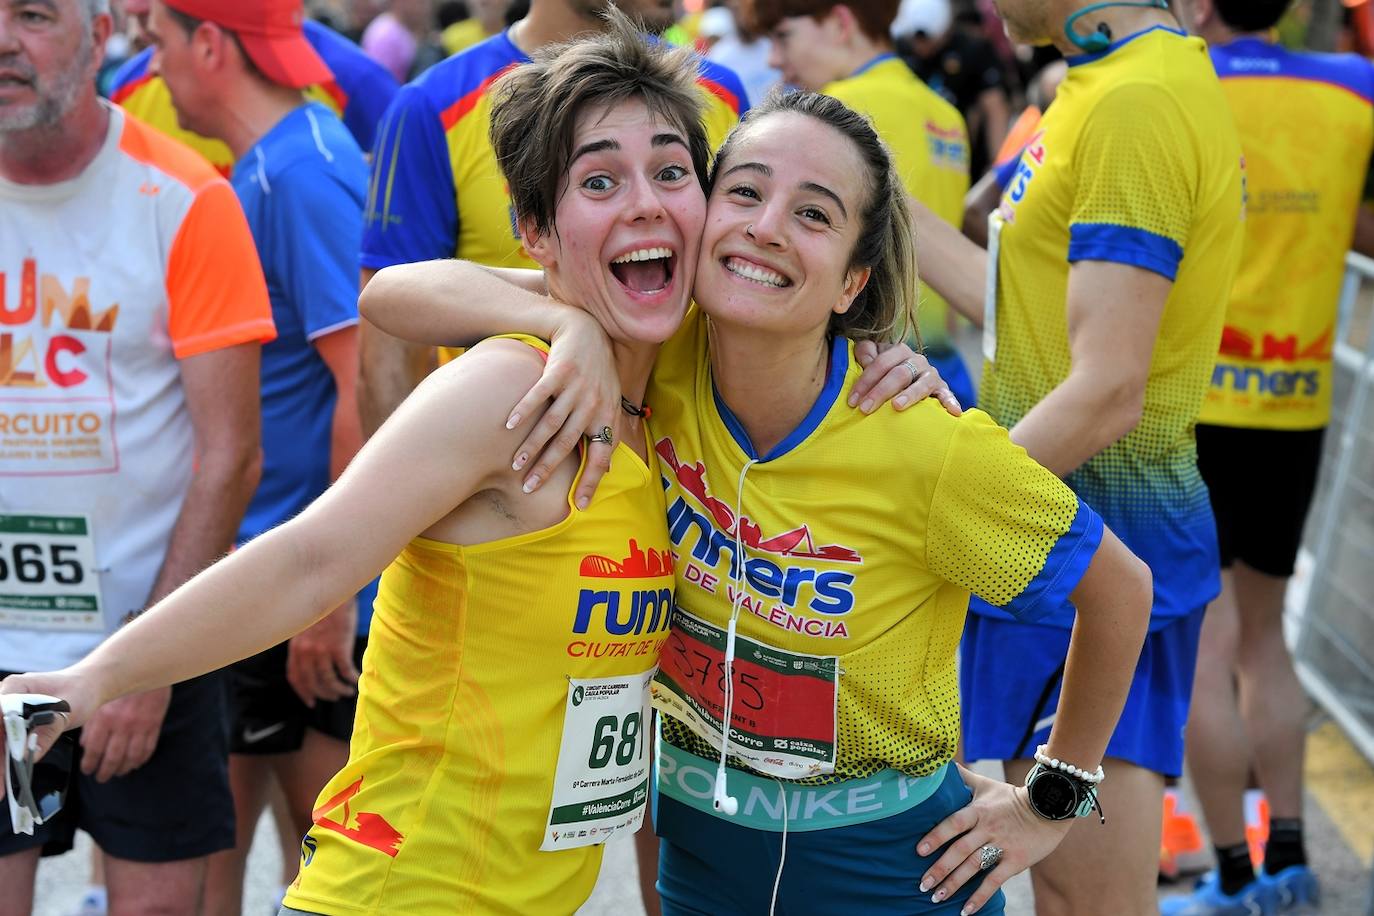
column 1042, row 757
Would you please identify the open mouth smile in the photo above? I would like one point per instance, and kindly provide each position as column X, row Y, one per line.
column 645, row 270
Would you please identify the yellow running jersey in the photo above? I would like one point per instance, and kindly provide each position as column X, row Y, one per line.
column 1136, row 162
column 1306, row 123
column 855, row 548
column 928, row 141
column 501, row 733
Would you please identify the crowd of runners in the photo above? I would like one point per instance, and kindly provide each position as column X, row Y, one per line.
column 646, row 495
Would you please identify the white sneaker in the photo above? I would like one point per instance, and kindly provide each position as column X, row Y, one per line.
column 94, row 903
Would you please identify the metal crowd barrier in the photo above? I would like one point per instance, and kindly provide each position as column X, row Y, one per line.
column 1331, row 606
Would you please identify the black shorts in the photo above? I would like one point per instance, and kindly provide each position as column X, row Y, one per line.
column 177, row 806
column 267, row 717
column 1261, row 481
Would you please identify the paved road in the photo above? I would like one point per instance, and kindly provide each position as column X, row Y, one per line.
column 1339, row 845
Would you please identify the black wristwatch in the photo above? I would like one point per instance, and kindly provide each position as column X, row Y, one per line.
column 1057, row 796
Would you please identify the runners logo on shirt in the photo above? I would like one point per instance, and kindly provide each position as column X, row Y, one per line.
column 636, row 619
column 1301, row 380
column 638, row 564
column 56, row 387
column 1032, row 157
column 948, row 147
column 783, row 573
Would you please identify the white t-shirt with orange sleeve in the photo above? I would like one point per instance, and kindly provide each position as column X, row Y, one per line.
column 106, row 282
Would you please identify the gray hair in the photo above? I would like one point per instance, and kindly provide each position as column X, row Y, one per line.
column 93, row 8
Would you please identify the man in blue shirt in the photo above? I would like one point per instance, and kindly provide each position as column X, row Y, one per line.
column 235, row 70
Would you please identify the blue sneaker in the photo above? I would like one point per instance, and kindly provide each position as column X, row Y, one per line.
column 1255, row 899
column 1294, row 889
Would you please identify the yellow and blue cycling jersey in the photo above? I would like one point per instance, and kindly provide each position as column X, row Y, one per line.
column 358, row 94
column 437, row 191
column 502, row 728
column 929, row 144
column 852, row 593
column 1136, row 163
column 1307, row 125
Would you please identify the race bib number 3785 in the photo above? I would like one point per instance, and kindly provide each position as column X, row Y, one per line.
column 783, row 718
column 47, row 573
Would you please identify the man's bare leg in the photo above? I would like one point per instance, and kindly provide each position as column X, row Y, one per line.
column 17, row 872
column 302, row 775
column 1118, row 861
column 1275, row 708
column 155, row 888
column 1217, row 745
column 288, row 840
column 1272, row 700
column 249, row 777
column 95, row 887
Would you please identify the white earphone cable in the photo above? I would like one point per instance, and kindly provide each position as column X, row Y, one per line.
column 782, row 857
column 723, row 802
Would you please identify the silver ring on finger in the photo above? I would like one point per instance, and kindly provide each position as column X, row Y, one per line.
column 989, row 856
column 911, row 367
column 607, row 435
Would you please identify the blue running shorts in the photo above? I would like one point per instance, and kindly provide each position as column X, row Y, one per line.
column 710, row 866
column 1009, row 679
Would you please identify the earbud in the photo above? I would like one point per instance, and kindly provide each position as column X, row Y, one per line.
column 725, row 804
column 1101, row 39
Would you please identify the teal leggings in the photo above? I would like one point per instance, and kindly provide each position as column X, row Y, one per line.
column 709, row 866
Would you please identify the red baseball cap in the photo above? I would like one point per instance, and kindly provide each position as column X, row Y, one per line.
column 271, row 34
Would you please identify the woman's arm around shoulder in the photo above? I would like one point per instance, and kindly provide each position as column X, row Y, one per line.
column 450, row 437
column 453, row 303
column 446, row 442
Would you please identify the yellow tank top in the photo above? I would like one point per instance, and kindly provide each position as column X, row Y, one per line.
column 501, row 734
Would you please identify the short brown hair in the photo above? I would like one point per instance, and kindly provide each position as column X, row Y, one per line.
column 536, row 106
column 874, row 16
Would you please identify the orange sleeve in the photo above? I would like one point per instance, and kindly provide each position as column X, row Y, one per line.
column 1019, row 136
column 216, row 293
